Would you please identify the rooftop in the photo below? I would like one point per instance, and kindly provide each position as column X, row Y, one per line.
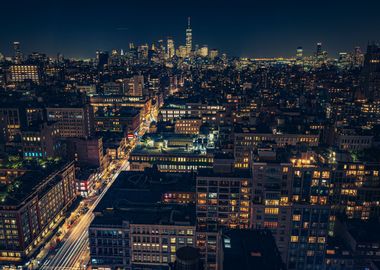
column 15, row 193
column 136, row 197
column 182, row 151
column 236, row 173
column 250, row 249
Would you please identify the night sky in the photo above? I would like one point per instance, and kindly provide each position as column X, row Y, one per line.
column 253, row 28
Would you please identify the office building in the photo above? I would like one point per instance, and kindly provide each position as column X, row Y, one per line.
column 223, row 201
column 73, row 121
column 188, row 125
column 140, row 232
column 17, row 54
column 248, row 138
column 102, row 60
column 33, row 208
column 170, row 48
column 189, row 39
column 42, row 140
column 371, row 73
column 174, row 153
column 22, row 73
column 290, row 198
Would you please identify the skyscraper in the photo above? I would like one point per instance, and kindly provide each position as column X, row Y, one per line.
column 371, row 72
column 358, row 57
column 189, row 38
column 171, row 48
column 319, row 49
column 101, row 59
column 299, row 55
column 17, row 52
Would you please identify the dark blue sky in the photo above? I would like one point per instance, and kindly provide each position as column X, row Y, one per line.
column 241, row 28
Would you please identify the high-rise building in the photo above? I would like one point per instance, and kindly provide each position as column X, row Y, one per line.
column 136, row 85
column 299, row 53
column 171, row 48
column 101, row 59
column 371, row 72
column 358, row 57
column 319, row 51
column 223, row 200
column 290, row 198
column 189, row 38
column 73, row 121
column 203, row 51
column 41, row 140
column 213, row 53
column 181, row 51
column 17, row 52
column 21, row 73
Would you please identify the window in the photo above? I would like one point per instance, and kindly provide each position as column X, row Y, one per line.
column 321, row 240
column 271, row 211
column 312, row 239
column 271, row 202
column 296, row 217
column 270, row 224
column 294, row 239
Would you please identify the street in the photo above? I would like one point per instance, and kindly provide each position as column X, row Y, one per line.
column 74, row 254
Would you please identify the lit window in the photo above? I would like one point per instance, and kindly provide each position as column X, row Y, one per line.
column 321, row 240
column 271, row 211
column 294, row 238
column 296, row 217
column 312, row 239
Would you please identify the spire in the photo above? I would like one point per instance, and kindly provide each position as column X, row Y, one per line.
column 188, row 22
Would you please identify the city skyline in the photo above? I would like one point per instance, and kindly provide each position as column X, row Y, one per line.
column 242, row 30
column 189, row 135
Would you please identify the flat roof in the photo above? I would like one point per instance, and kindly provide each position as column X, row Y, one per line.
column 236, row 173
column 136, row 197
column 15, row 193
column 142, row 150
column 250, row 249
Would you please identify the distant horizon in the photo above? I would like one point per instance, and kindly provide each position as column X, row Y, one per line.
column 306, row 53
column 252, row 29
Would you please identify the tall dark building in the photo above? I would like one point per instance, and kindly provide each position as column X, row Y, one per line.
column 189, row 38
column 102, row 59
column 17, row 52
column 299, row 54
column 319, row 49
column 371, row 72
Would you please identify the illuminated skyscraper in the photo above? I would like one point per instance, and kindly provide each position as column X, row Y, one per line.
column 358, row 57
column 299, row 53
column 213, row 53
column 17, row 52
column 203, row 51
column 189, row 38
column 171, row 48
column 319, row 49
